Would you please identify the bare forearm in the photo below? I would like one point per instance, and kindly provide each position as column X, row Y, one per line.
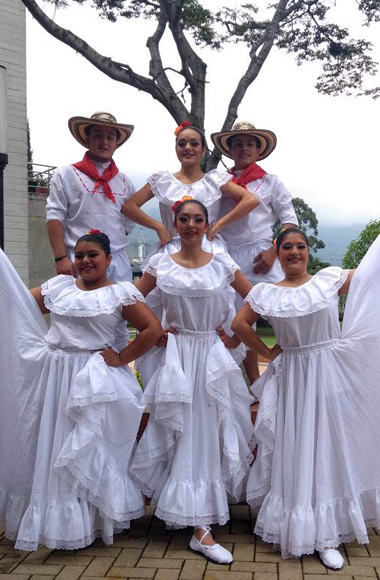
column 142, row 343
column 56, row 236
column 137, row 215
column 251, row 339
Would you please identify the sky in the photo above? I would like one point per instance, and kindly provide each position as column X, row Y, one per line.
column 328, row 147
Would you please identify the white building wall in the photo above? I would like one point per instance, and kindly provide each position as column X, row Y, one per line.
column 13, row 58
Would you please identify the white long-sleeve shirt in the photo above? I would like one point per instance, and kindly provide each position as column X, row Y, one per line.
column 275, row 202
column 73, row 201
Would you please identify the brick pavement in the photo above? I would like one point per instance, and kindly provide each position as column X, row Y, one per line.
column 149, row 551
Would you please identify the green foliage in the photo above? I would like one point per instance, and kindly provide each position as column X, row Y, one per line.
column 138, row 378
column 307, row 222
column 358, row 248
column 303, row 29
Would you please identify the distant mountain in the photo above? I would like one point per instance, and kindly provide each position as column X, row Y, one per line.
column 336, row 239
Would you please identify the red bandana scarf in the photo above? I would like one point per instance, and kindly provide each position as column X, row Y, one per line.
column 87, row 167
column 250, row 173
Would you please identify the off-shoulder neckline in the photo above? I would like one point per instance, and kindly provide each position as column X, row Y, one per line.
column 192, row 269
column 94, row 289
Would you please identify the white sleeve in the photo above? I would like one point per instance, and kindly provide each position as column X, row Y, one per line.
column 281, row 201
column 128, row 192
column 57, row 203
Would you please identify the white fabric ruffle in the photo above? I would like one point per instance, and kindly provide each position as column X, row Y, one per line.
column 317, row 472
column 270, row 300
column 168, row 189
column 196, row 450
column 207, row 280
column 64, row 468
column 62, row 296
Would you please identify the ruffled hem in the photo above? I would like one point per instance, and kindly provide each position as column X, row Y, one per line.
column 303, row 530
column 62, row 296
column 69, row 526
column 208, row 280
column 266, row 390
column 87, row 461
column 227, row 390
column 270, row 300
column 167, row 189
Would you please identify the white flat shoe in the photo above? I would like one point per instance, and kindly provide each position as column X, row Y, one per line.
column 332, row 559
column 215, row 553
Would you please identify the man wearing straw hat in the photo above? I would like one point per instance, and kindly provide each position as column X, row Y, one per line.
column 250, row 239
column 90, row 194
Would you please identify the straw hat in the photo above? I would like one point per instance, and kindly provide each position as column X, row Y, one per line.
column 79, row 125
column 267, row 139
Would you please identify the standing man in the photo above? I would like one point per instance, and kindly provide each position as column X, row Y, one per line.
column 90, row 194
column 250, row 239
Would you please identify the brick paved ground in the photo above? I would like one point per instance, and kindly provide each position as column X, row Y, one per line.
column 151, row 552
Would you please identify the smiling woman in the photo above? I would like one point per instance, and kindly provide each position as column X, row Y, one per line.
column 195, row 451
column 73, row 483
column 316, row 478
column 168, row 188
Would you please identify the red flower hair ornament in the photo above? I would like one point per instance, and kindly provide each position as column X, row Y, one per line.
column 92, row 231
column 178, row 203
column 182, row 126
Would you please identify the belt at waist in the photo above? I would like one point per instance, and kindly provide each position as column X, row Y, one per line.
column 310, row 347
column 196, row 333
column 72, row 350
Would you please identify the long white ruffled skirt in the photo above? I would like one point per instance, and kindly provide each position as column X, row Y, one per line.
column 68, row 425
column 317, row 472
column 81, row 487
column 195, row 452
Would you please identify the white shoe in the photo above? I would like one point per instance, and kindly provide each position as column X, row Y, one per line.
column 216, row 553
column 331, row 558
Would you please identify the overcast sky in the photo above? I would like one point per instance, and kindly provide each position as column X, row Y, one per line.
column 328, row 147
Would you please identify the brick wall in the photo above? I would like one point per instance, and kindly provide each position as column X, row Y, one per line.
column 13, row 57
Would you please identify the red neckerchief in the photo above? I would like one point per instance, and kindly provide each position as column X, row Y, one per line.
column 87, row 167
column 250, row 173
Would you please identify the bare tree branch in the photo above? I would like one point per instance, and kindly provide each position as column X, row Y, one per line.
column 194, row 69
column 157, row 71
column 252, row 71
column 120, row 72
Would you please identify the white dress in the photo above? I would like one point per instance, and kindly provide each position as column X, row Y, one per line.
column 317, row 472
column 68, row 422
column 168, row 190
column 195, row 451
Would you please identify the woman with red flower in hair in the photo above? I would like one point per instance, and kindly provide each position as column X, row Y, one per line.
column 70, row 405
column 190, row 182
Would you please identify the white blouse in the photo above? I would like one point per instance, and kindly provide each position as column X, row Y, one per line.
column 275, row 202
column 168, row 189
column 85, row 320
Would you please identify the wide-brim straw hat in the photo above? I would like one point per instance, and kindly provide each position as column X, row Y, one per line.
column 79, row 125
column 266, row 138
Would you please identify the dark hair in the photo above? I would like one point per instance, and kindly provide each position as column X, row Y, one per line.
column 97, row 238
column 89, row 127
column 232, row 137
column 200, row 204
column 282, row 235
column 201, row 134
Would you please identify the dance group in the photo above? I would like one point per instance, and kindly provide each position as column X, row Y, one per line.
column 70, row 468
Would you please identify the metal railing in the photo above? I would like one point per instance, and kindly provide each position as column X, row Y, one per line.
column 39, row 177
